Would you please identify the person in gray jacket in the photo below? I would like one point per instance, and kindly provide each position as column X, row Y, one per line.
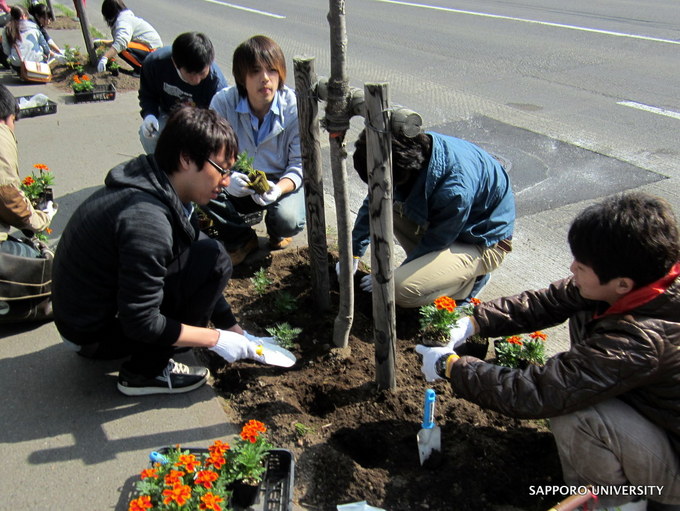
column 263, row 112
column 134, row 278
column 613, row 398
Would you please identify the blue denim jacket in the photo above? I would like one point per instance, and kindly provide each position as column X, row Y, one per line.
column 278, row 155
column 464, row 196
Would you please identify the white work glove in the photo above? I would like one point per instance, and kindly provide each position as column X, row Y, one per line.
column 259, row 340
column 355, row 265
column 269, row 197
column 232, row 347
column 150, row 126
column 101, row 66
column 238, row 185
column 367, row 283
column 50, row 209
column 430, row 358
column 458, row 334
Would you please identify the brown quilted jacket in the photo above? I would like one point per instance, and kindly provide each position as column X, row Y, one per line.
column 633, row 356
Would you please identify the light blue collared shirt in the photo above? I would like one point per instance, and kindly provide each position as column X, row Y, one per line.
column 260, row 131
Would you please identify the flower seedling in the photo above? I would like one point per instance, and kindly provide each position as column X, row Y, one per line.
column 261, row 281
column 302, row 430
column 82, row 83
column 436, row 320
column 73, row 58
column 515, row 351
column 257, row 178
column 179, row 479
column 284, row 302
column 284, row 334
column 37, row 189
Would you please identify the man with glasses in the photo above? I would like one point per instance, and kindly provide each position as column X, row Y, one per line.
column 182, row 74
column 134, row 278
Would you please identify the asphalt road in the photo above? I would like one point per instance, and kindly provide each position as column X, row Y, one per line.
column 580, row 100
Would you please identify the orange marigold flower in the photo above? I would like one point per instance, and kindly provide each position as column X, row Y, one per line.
column 179, row 493
column 206, row 478
column 475, row 301
column 215, row 460
column 188, row 461
column 76, row 79
column 149, row 472
column 140, row 504
column 251, row 430
column 539, row 335
column 174, row 477
column 85, row 78
column 28, row 181
column 219, row 447
column 515, row 339
column 211, row 501
column 445, row 302
column 41, row 166
column 48, row 230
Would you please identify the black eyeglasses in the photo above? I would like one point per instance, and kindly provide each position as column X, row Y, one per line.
column 223, row 172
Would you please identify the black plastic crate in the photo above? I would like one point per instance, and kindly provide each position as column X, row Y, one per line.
column 276, row 490
column 49, row 108
column 100, row 93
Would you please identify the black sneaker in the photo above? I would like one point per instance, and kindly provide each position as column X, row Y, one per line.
column 175, row 379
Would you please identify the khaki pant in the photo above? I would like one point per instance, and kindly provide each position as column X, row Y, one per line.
column 449, row 272
column 611, row 444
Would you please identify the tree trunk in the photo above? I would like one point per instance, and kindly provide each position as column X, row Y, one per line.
column 305, row 84
column 337, row 124
column 379, row 164
column 85, row 26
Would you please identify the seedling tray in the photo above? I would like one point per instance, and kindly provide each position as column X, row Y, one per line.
column 99, row 93
column 276, row 490
column 49, row 108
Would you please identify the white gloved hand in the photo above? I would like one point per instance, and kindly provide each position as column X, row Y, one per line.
column 101, row 66
column 259, row 340
column 50, row 209
column 150, row 126
column 269, row 197
column 232, row 347
column 430, row 358
column 458, row 334
column 367, row 283
column 355, row 265
column 238, row 185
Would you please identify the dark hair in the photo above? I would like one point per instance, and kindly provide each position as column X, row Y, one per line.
column 111, row 9
column 192, row 51
column 409, row 156
column 8, row 103
column 634, row 235
column 197, row 133
column 17, row 13
column 261, row 50
column 39, row 11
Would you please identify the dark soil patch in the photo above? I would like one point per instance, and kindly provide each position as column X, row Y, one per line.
column 352, row 442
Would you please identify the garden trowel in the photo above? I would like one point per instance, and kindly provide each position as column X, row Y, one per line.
column 430, row 436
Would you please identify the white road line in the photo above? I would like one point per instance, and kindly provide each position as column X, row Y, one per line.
column 546, row 23
column 652, row 109
column 248, row 9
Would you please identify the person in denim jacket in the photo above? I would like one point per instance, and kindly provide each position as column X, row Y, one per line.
column 454, row 215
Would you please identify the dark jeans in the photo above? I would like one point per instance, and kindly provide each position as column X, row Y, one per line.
column 192, row 294
column 16, row 247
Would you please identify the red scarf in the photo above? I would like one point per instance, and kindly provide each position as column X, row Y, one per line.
column 643, row 295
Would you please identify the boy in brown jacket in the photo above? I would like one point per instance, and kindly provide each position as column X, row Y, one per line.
column 613, row 398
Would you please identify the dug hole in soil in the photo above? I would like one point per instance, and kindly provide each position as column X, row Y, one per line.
column 352, row 442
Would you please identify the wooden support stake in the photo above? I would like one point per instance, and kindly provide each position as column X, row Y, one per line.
column 85, row 27
column 305, row 78
column 379, row 163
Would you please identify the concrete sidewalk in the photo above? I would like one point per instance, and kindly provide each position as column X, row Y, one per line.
column 70, row 439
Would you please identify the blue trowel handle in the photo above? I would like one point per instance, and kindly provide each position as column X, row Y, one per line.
column 428, row 409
